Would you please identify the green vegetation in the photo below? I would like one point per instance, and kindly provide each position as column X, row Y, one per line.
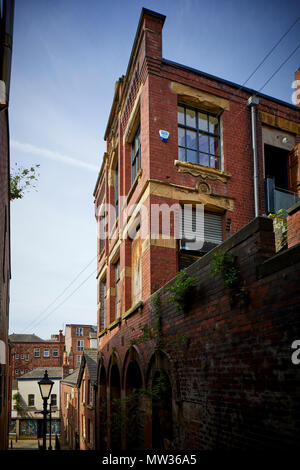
column 21, row 180
column 181, row 290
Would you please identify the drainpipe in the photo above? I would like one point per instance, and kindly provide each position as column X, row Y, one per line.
column 253, row 102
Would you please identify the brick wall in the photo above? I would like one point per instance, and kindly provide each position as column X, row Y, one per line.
column 4, row 276
column 233, row 382
column 293, row 225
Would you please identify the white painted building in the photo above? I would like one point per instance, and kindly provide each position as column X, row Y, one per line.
column 26, row 422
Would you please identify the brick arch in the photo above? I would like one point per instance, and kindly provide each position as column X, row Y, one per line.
column 163, row 360
column 114, row 359
column 101, row 417
column 133, row 386
column 114, row 397
column 132, row 355
column 161, row 369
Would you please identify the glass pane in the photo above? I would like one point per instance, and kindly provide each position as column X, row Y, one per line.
column 202, row 121
column 203, row 143
column 191, row 156
column 213, row 125
column 190, row 118
column 204, row 159
column 181, row 154
column 214, row 145
column 191, row 139
column 213, row 162
column 180, row 115
column 181, row 140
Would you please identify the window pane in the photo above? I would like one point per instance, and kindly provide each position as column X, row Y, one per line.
column 181, row 154
column 191, row 156
column 214, row 145
column 202, row 121
column 191, row 139
column 214, row 162
column 180, row 115
column 190, row 117
column 203, row 143
column 181, row 134
column 204, row 159
column 213, row 125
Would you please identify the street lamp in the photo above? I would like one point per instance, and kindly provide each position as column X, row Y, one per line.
column 45, row 385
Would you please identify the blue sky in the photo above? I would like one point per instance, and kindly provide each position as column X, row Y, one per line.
column 67, row 55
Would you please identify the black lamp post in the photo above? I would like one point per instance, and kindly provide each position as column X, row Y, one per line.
column 45, row 385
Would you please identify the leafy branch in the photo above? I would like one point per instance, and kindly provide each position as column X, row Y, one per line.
column 21, row 180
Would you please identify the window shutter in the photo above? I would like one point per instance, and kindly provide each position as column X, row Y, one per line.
column 212, row 227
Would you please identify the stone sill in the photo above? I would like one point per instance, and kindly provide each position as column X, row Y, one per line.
column 188, row 166
column 102, row 332
column 114, row 323
column 133, row 309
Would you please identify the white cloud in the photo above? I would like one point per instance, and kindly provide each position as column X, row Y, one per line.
column 32, row 149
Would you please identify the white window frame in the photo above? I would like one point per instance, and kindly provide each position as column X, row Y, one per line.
column 44, row 352
column 37, row 352
column 80, row 345
column 79, row 331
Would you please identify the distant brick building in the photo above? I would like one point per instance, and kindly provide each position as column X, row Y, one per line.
column 78, row 337
column 78, row 403
column 237, row 152
column 70, row 410
column 29, row 351
column 87, row 380
column 6, row 39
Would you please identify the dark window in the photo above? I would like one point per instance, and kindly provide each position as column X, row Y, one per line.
column 53, row 400
column 80, row 345
column 117, row 289
column 117, row 189
column 103, row 301
column 135, row 154
column 79, row 331
column 55, row 353
column 198, row 137
column 30, row 400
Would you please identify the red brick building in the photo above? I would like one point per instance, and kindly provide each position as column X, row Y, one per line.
column 236, row 152
column 78, row 337
column 69, row 410
column 6, row 39
column 29, row 351
column 87, row 380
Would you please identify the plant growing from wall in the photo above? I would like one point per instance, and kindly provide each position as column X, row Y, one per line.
column 17, row 406
column 181, row 290
column 21, row 180
column 223, row 263
column 280, row 228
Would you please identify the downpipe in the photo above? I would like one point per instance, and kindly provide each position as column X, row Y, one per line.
column 253, row 101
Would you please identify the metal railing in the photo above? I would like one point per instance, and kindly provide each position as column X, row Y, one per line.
column 278, row 198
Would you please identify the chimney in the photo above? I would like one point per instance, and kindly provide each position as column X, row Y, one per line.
column 60, row 336
column 296, row 94
column 65, row 366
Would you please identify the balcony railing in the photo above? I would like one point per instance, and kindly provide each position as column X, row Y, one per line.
column 278, row 198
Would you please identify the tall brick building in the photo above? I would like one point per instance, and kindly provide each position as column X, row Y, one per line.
column 6, row 35
column 78, row 337
column 236, row 152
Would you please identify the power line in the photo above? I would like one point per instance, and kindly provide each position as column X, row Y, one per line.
column 264, row 59
column 60, row 295
column 280, row 67
column 270, row 52
column 70, row 295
